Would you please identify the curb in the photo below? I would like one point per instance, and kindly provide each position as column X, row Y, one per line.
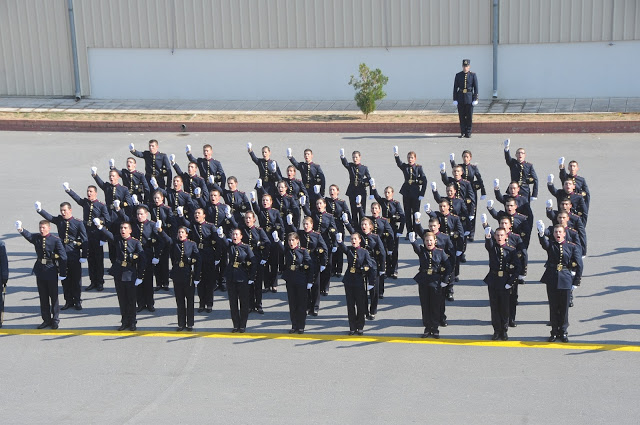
column 323, row 127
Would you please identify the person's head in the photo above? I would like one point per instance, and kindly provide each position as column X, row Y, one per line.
column 92, row 193
column 266, row 152
column 307, row 224
column 429, row 239
column 457, row 172
column 114, row 178
column 559, row 233
column 232, row 182
column 182, row 233
column 510, row 206
column 388, row 193
column 565, row 205
column 158, row 198
column 236, row 236
column 45, row 227
column 192, row 169
column 291, row 172
column 563, row 218
column 513, row 189
column 434, row 226
column 355, row 156
column 293, row 240
column 177, row 183
column 505, row 223
column 308, row 156
column 411, row 157
column 131, row 164
column 141, row 214
column 573, row 168
column 466, row 157
column 500, row 236
column 153, row 146
column 366, row 225
column 214, row 196
column 451, row 190
column 65, row 210
column 444, row 207
column 376, row 210
column 334, row 191
column 207, row 151
column 199, row 215
column 249, row 219
column 282, row 188
column 569, row 186
column 267, row 201
column 466, row 65
column 321, row 205
column 355, row 240
column 125, row 230
column 521, row 154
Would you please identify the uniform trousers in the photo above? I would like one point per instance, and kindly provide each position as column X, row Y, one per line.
column 239, row 293
column 465, row 115
column 185, row 293
column 72, row 285
column 499, row 303
column 126, row 291
column 49, row 306
column 161, row 270
column 297, row 295
column 95, row 259
column 356, row 305
column 430, row 302
column 559, row 307
column 207, row 280
column 255, row 290
column 513, row 302
column 144, row 291
column 411, row 205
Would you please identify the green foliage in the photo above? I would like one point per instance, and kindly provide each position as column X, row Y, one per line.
column 368, row 88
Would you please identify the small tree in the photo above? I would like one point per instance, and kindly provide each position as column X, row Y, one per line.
column 368, row 88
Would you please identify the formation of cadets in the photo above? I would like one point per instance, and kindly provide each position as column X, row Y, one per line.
column 198, row 230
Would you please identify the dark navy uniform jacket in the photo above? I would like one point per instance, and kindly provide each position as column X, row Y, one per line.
column 175, row 199
column 113, row 192
column 443, row 241
column 136, row 182
column 237, row 201
column 323, row 223
column 257, row 239
column 243, row 264
column 391, row 210
column 358, row 178
column 435, row 265
column 298, row 265
column 361, row 268
column 157, row 166
column 190, row 183
column 72, row 233
column 471, row 173
column 296, row 188
column 452, row 226
column 465, row 87
column 578, row 205
column 575, row 222
column 164, row 213
column 269, row 178
column 372, row 243
column 186, row 262
column 415, row 181
column 562, row 259
column 52, row 258
column 209, row 168
column 315, row 245
column 147, row 234
column 464, row 190
column 311, row 174
column 336, row 207
column 130, row 263
column 523, row 173
column 523, row 206
column 518, row 221
column 504, row 265
column 91, row 210
column 270, row 220
column 580, row 183
column 457, row 205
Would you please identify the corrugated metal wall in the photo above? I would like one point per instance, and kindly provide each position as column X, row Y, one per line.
column 35, row 47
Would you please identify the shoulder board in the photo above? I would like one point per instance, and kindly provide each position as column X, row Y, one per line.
column 570, row 243
column 384, row 218
column 135, row 239
column 302, row 248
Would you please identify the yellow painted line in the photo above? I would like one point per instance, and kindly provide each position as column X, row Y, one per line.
column 327, row 337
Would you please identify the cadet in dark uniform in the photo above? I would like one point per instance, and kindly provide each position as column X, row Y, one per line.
column 522, row 172
column 360, row 273
column 208, row 166
column 435, row 267
column 270, row 220
column 156, row 164
column 4, row 275
column 267, row 168
column 92, row 208
column 314, row 243
column 579, row 182
column 312, row 175
column 465, row 97
column 568, row 192
column 50, row 267
column 523, row 205
column 392, row 211
column 298, row 276
column 133, row 180
column 235, row 199
column 575, row 221
column 295, row 187
column 241, row 276
column 504, row 268
column 336, row 207
column 128, row 271
column 194, row 185
column 414, row 186
column 471, row 173
column 324, row 223
column 160, row 212
column 74, row 238
column 358, row 182
column 563, row 270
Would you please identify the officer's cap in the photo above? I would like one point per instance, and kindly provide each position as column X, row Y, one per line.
column 465, row 62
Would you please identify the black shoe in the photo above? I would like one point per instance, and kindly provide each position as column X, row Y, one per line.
column 189, row 328
column 444, row 323
column 78, row 306
column 352, row 332
column 180, row 329
column 132, row 327
column 435, row 334
column 274, row 289
column 200, row 309
column 461, row 136
column 300, row 331
column 450, row 297
column 370, row 316
column 548, row 323
column 234, row 330
column 260, row 310
column 324, row 293
column 292, row 331
column 338, row 275
column 242, row 330
column 152, row 308
column 512, row 324
column 426, row 333
column 265, row 290
column 223, row 287
column 92, row 286
column 468, row 136
column 140, row 308
column 165, row 288
column 44, row 325
column 564, row 338
column 504, row 337
column 552, row 338
column 208, row 309
column 394, row 276
column 456, row 279
column 470, row 239
column 122, row 327
column 54, row 325
column 570, row 303
column 463, row 258
column 66, row 306
column 359, row 332
column 380, row 297
column 495, row 336
column 157, row 288
column 100, row 287
column 314, row 313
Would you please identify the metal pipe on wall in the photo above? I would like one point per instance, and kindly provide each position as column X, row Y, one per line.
column 495, row 47
column 74, row 51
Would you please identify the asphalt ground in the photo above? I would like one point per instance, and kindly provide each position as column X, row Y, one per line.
column 86, row 372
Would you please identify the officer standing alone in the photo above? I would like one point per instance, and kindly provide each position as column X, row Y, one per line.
column 465, row 97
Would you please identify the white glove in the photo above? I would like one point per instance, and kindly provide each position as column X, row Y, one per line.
column 316, row 189
column 250, row 282
column 443, row 284
column 131, row 147
column 138, row 282
column 434, row 186
column 134, row 198
column 471, row 217
column 19, row 225
column 483, row 197
column 289, row 219
column 506, row 145
column 458, row 253
column 303, row 200
column 339, row 237
column 380, row 273
column 371, row 197
column 158, row 224
column 474, row 103
column 172, row 159
column 395, row 150
column 249, row 147
column 289, row 152
column 97, row 222
column 483, row 218
column 533, row 198
column 398, row 235
column 550, row 178
column 341, row 153
column 549, row 203
column 216, row 262
column 322, row 268
column 521, row 277
column 427, row 208
column 372, row 182
column 416, row 216
column 61, row 278
column 112, row 163
column 197, row 191
column 442, row 168
column 309, row 285
column 334, row 249
column 420, row 198
column 496, row 184
column 252, row 195
column 83, row 260
column 180, row 210
column 94, row 171
column 412, row 237
column 452, row 157
column 187, row 149
column 490, row 204
column 227, row 211
column 574, row 287
column 154, row 182
column 263, row 262
column 195, row 283
column 561, row 161
column 507, row 286
column 487, row 230
column 275, row 236
column 102, row 243
column 273, row 166
column 345, row 217
column 38, row 206
column 540, row 227
column 369, row 287
column 66, row 187
column 358, row 199
column 259, row 183
column 220, row 231
column 155, row 261
column 455, row 103
column 467, row 233
column 211, row 179
column 116, row 204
